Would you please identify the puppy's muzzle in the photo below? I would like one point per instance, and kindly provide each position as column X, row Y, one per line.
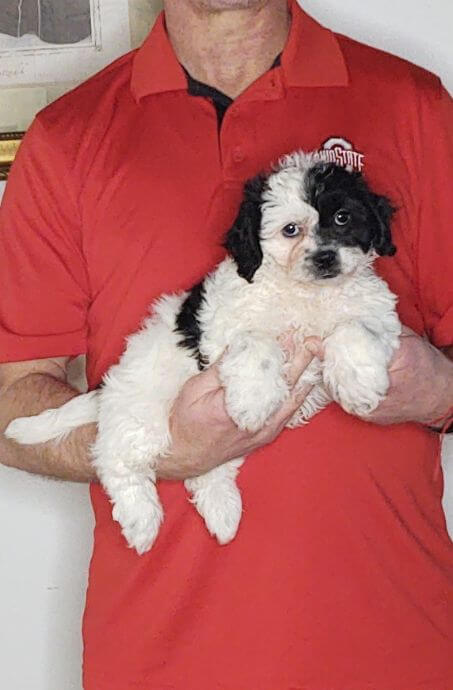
column 325, row 263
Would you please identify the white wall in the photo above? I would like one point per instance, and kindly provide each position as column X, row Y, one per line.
column 418, row 30
column 45, row 526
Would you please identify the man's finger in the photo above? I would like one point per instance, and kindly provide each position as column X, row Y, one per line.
column 211, row 376
column 202, row 384
column 297, row 365
column 315, row 346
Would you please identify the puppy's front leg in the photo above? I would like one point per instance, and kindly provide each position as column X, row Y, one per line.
column 252, row 374
column 355, row 368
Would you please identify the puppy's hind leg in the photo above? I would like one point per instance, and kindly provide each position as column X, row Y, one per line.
column 55, row 423
column 218, row 499
column 125, row 455
column 136, row 505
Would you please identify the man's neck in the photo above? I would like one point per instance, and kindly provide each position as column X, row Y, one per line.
column 227, row 49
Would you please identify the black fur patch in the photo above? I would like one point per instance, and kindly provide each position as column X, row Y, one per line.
column 329, row 188
column 188, row 325
column 243, row 239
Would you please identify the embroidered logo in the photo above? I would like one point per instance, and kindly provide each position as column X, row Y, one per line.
column 340, row 151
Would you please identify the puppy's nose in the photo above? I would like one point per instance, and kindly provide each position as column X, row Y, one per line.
column 325, row 258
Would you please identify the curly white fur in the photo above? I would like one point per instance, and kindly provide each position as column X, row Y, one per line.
column 354, row 313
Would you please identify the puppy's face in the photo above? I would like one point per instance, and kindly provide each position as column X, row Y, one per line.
column 318, row 222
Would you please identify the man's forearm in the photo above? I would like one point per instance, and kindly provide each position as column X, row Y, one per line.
column 68, row 459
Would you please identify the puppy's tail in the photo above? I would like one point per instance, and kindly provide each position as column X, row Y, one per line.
column 55, row 423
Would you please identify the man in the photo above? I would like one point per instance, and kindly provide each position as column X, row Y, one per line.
column 341, row 576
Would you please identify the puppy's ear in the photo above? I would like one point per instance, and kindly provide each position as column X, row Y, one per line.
column 243, row 239
column 318, row 179
column 383, row 212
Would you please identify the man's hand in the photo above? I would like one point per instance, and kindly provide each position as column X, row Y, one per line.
column 421, row 384
column 204, row 436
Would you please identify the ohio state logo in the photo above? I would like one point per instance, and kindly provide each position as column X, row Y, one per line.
column 340, row 151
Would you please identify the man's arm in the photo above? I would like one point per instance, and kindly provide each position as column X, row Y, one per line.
column 28, row 388
column 203, row 434
column 421, row 384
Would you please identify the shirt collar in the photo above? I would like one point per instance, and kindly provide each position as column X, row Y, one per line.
column 312, row 57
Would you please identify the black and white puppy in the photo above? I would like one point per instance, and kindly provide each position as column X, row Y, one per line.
column 300, row 257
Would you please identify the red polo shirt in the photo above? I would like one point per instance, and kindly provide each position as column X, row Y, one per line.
column 341, row 575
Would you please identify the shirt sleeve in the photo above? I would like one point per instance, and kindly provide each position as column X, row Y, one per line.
column 44, row 292
column 435, row 228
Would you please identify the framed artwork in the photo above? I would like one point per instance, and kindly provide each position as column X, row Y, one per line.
column 39, row 24
column 60, row 40
column 9, row 145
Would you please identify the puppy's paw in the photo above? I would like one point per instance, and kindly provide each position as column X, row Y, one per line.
column 358, row 402
column 358, row 392
column 139, row 513
column 355, row 369
column 220, row 505
column 253, row 408
column 361, row 399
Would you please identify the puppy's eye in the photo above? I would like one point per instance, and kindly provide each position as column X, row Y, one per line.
column 342, row 217
column 291, row 230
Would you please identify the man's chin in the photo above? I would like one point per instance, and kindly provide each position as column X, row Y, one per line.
column 221, row 5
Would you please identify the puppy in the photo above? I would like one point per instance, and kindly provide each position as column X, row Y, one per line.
column 300, row 257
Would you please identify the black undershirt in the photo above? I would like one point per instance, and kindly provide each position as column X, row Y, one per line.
column 220, row 101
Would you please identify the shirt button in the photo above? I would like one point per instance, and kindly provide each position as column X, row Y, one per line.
column 238, row 155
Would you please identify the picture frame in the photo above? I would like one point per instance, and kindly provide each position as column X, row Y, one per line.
column 30, row 58
column 33, row 43
column 9, row 146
